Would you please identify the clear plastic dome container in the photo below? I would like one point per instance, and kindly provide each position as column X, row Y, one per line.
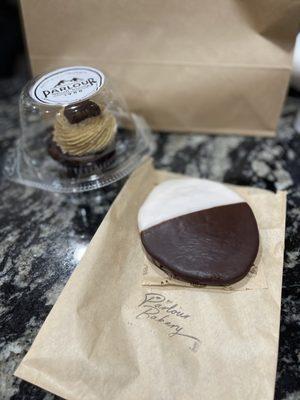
column 76, row 133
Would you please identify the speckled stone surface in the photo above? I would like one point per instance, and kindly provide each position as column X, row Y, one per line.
column 44, row 235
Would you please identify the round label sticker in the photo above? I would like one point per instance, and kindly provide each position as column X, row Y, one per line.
column 67, row 85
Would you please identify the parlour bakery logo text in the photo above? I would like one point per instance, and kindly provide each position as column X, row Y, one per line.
column 67, row 85
column 167, row 313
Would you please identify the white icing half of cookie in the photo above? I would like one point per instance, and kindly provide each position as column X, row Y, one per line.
column 177, row 197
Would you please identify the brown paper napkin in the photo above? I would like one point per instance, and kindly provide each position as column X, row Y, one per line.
column 108, row 337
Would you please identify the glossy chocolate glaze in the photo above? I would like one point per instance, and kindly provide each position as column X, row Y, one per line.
column 215, row 246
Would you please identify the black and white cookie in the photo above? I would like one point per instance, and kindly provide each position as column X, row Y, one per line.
column 199, row 231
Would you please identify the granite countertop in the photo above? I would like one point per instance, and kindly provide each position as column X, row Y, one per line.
column 43, row 235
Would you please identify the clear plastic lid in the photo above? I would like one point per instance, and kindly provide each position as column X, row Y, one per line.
column 76, row 133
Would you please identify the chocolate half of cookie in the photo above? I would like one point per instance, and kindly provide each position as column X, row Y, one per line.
column 199, row 231
column 78, row 112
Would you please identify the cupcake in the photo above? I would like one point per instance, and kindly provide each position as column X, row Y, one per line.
column 83, row 135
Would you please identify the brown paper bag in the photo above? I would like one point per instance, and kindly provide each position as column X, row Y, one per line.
column 204, row 66
column 108, row 337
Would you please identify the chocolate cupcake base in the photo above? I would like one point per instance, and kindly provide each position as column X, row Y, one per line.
column 82, row 164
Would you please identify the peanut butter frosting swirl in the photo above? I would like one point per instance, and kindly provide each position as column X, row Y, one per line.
column 91, row 135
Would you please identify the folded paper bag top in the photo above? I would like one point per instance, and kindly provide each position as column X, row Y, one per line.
column 184, row 65
column 105, row 338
